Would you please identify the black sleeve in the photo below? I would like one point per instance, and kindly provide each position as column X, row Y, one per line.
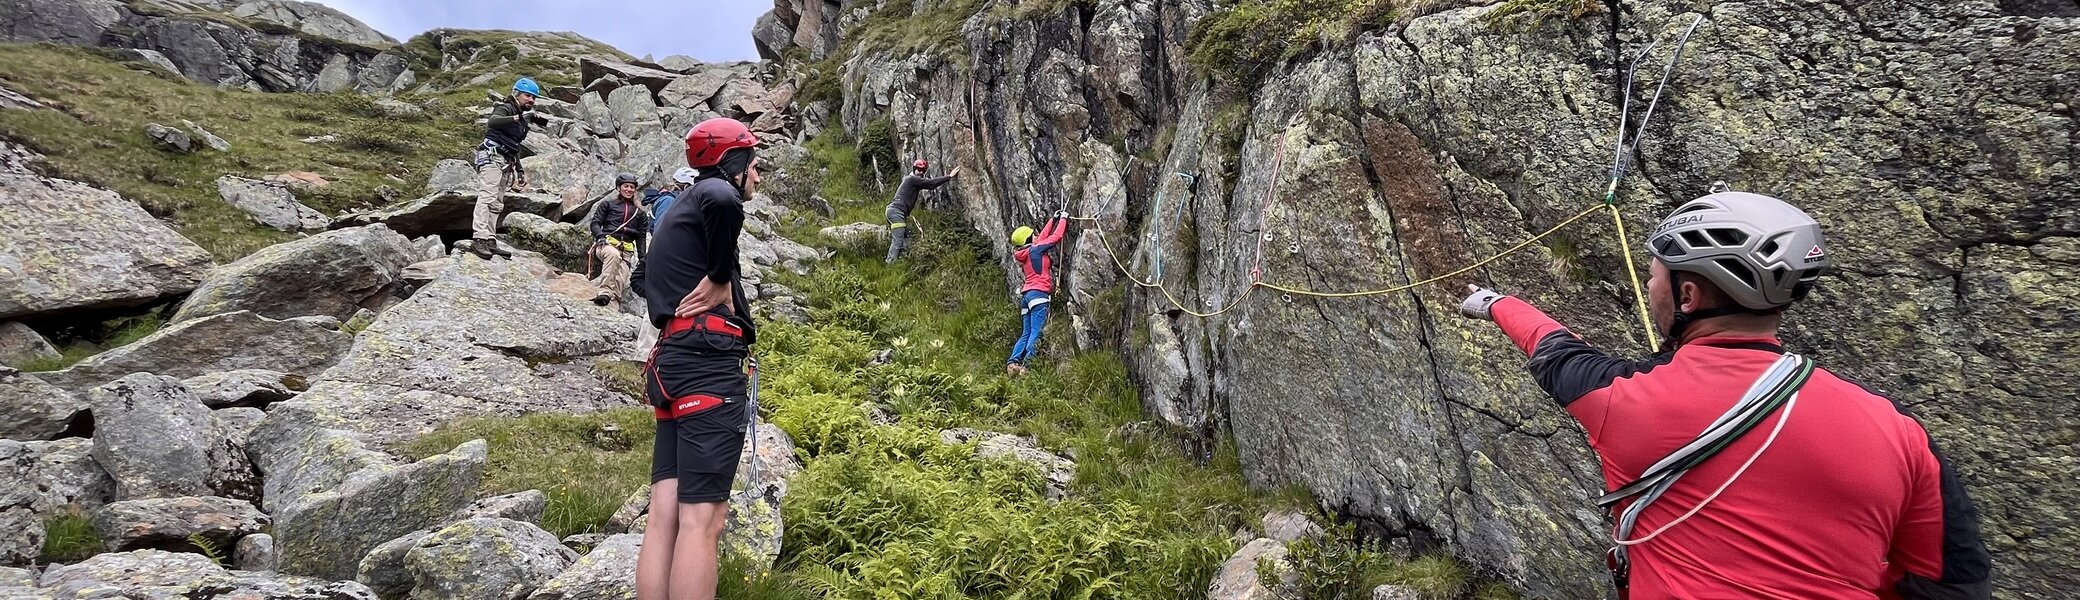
column 501, row 115
column 933, row 183
column 1967, row 568
column 1569, row 368
column 723, row 218
column 595, row 220
column 635, row 278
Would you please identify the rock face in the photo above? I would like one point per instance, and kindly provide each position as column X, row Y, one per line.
column 606, row 573
column 169, row 139
column 331, row 274
column 265, row 45
column 157, row 441
column 167, row 523
column 21, row 528
column 1456, row 132
column 1238, row 578
column 33, row 410
column 314, row 19
column 270, row 204
column 453, row 175
column 524, row 506
column 485, row 338
column 230, row 341
column 486, row 559
column 20, row 345
column 67, row 246
column 562, row 245
column 243, row 387
column 326, row 533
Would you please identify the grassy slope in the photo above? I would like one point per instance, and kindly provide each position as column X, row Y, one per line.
column 98, row 137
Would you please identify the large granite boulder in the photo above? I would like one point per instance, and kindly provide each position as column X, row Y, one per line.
column 454, row 175
column 331, row 274
column 635, row 112
column 69, row 246
column 312, row 18
column 234, row 340
column 270, row 204
column 485, row 559
column 608, row 572
column 158, row 441
column 244, row 387
column 593, row 68
column 33, row 410
column 483, row 338
column 170, row 523
column 20, row 345
column 563, row 245
column 326, row 533
column 79, row 23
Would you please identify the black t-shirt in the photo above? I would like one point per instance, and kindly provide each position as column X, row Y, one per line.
column 696, row 240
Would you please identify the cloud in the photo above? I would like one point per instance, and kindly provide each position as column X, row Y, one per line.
column 709, row 30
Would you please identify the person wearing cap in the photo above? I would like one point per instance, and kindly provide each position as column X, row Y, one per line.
column 498, row 163
column 619, row 226
column 1037, row 289
column 1822, row 488
column 900, row 229
column 696, row 379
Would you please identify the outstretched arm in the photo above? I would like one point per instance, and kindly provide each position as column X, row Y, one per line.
column 1051, row 233
column 1564, row 365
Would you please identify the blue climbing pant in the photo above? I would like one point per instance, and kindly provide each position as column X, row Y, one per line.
column 1034, row 308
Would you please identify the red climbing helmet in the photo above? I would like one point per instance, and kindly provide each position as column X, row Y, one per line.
column 706, row 142
column 920, row 164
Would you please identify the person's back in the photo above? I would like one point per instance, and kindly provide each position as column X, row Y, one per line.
column 1816, row 516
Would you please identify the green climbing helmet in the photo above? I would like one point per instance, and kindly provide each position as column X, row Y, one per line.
column 1020, row 236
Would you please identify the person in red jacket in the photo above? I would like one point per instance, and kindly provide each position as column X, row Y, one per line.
column 1038, row 290
column 1840, row 493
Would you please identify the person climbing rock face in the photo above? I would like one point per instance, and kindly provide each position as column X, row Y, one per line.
column 498, row 163
column 618, row 226
column 696, row 378
column 1822, row 489
column 1037, row 291
column 900, row 229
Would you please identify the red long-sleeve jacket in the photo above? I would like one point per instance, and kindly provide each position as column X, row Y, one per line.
column 1033, row 260
column 1851, row 501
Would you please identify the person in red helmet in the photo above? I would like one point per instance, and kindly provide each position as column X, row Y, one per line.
column 899, row 227
column 1738, row 469
column 697, row 377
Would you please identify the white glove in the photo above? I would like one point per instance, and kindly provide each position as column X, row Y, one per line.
column 1477, row 304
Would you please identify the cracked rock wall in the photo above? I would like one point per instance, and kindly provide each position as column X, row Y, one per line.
column 1934, row 140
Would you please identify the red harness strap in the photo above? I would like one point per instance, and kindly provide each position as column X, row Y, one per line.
column 680, row 406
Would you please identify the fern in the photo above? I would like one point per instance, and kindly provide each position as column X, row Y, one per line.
column 209, row 549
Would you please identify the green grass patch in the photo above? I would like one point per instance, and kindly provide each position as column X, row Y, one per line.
column 96, row 135
column 899, row 30
column 586, row 469
column 89, row 340
column 1244, row 39
column 69, row 536
column 1342, row 566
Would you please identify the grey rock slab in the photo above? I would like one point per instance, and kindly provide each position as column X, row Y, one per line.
column 244, row 387
column 168, row 523
column 207, row 138
column 1238, row 578
column 270, row 204
column 524, row 506
column 302, row 346
column 20, row 345
column 254, row 553
column 157, row 441
column 326, row 533
column 169, row 139
column 488, row 559
column 69, row 246
column 31, row 409
column 334, row 274
column 605, row 573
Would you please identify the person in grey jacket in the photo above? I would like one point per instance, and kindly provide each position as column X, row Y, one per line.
column 899, row 227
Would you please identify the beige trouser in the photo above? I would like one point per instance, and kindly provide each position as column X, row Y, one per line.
column 613, row 269
column 491, row 197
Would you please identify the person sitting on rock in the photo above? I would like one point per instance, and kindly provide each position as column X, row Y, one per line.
column 498, row 164
column 696, row 379
column 900, row 229
column 1819, row 487
column 1038, row 289
column 618, row 226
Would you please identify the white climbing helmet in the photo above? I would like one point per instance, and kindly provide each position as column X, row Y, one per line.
column 1763, row 252
column 685, row 175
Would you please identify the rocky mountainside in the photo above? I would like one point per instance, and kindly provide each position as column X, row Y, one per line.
column 1359, row 145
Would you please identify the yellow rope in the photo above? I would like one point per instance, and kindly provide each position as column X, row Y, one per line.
column 1129, row 273
column 1639, row 294
column 1400, row 288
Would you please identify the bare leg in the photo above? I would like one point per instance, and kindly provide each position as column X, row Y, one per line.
column 654, row 559
column 695, row 558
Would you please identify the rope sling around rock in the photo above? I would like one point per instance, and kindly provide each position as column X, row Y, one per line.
column 1626, row 147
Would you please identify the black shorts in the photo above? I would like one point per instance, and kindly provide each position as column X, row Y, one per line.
column 701, row 449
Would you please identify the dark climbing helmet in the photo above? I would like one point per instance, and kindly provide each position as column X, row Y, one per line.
column 920, row 164
column 627, row 178
column 1763, row 252
column 706, row 142
column 527, row 86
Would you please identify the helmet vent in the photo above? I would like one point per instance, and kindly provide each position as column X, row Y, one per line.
column 1729, row 238
column 1695, row 239
column 1768, row 248
column 1740, row 272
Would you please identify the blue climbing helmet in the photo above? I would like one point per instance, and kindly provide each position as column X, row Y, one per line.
column 527, row 86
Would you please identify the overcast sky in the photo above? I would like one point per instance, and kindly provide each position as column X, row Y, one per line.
column 709, row 30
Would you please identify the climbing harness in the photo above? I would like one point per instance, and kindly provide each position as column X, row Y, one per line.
column 1777, row 388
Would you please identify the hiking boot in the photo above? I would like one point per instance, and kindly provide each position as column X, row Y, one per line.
column 1015, row 370
column 486, row 249
column 603, row 298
